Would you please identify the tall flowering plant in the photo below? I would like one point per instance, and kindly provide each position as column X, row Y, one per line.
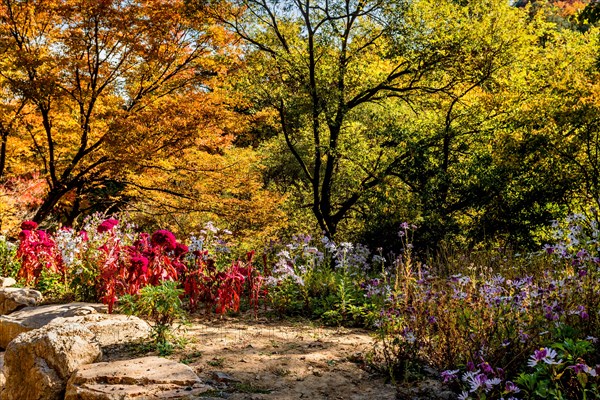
column 37, row 251
column 223, row 288
column 108, row 259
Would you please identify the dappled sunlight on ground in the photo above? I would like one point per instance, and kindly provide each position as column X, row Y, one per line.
column 260, row 359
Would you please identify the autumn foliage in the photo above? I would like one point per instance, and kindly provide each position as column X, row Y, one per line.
column 119, row 105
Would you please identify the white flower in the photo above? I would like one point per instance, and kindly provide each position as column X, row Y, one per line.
column 546, row 355
column 463, row 396
column 410, row 337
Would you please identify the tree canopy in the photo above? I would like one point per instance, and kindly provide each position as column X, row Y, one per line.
column 476, row 119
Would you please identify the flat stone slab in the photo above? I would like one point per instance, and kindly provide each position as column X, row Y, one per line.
column 12, row 299
column 140, row 378
column 7, row 281
column 30, row 318
column 110, row 329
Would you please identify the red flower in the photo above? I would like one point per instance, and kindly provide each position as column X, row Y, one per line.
column 164, row 238
column 181, row 249
column 107, row 225
column 29, row 225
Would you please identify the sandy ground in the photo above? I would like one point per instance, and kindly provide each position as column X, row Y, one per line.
column 245, row 358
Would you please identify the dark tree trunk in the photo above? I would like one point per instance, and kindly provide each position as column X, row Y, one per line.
column 48, row 205
column 4, row 139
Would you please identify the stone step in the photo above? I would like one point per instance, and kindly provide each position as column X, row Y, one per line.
column 141, row 378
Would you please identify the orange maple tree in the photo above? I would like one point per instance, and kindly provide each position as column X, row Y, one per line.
column 86, row 68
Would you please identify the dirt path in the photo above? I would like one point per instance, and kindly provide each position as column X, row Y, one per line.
column 249, row 359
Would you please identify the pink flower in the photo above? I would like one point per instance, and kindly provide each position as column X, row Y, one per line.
column 29, row 225
column 164, row 238
column 84, row 236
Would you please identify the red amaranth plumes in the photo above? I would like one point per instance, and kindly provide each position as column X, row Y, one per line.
column 164, row 238
column 29, row 225
column 107, row 225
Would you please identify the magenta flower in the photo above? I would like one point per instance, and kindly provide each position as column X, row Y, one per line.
column 29, row 225
column 164, row 238
column 107, row 225
column 140, row 263
column 24, row 235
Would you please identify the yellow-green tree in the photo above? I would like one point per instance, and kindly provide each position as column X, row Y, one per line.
column 342, row 78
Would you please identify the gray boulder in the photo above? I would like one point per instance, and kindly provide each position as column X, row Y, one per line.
column 110, row 329
column 7, row 281
column 30, row 318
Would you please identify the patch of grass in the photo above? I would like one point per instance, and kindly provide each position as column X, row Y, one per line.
column 216, row 362
column 192, row 357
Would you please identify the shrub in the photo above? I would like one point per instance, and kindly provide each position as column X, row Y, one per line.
column 161, row 305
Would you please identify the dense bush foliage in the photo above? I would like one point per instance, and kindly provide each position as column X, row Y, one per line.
column 482, row 133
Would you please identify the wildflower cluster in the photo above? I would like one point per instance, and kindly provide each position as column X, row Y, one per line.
column 519, row 318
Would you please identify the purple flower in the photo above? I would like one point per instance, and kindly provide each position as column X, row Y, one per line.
column 511, row 387
column 486, row 368
column 582, row 253
column 449, row 375
column 546, row 355
column 500, row 372
column 523, row 337
column 577, row 368
column 477, row 381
